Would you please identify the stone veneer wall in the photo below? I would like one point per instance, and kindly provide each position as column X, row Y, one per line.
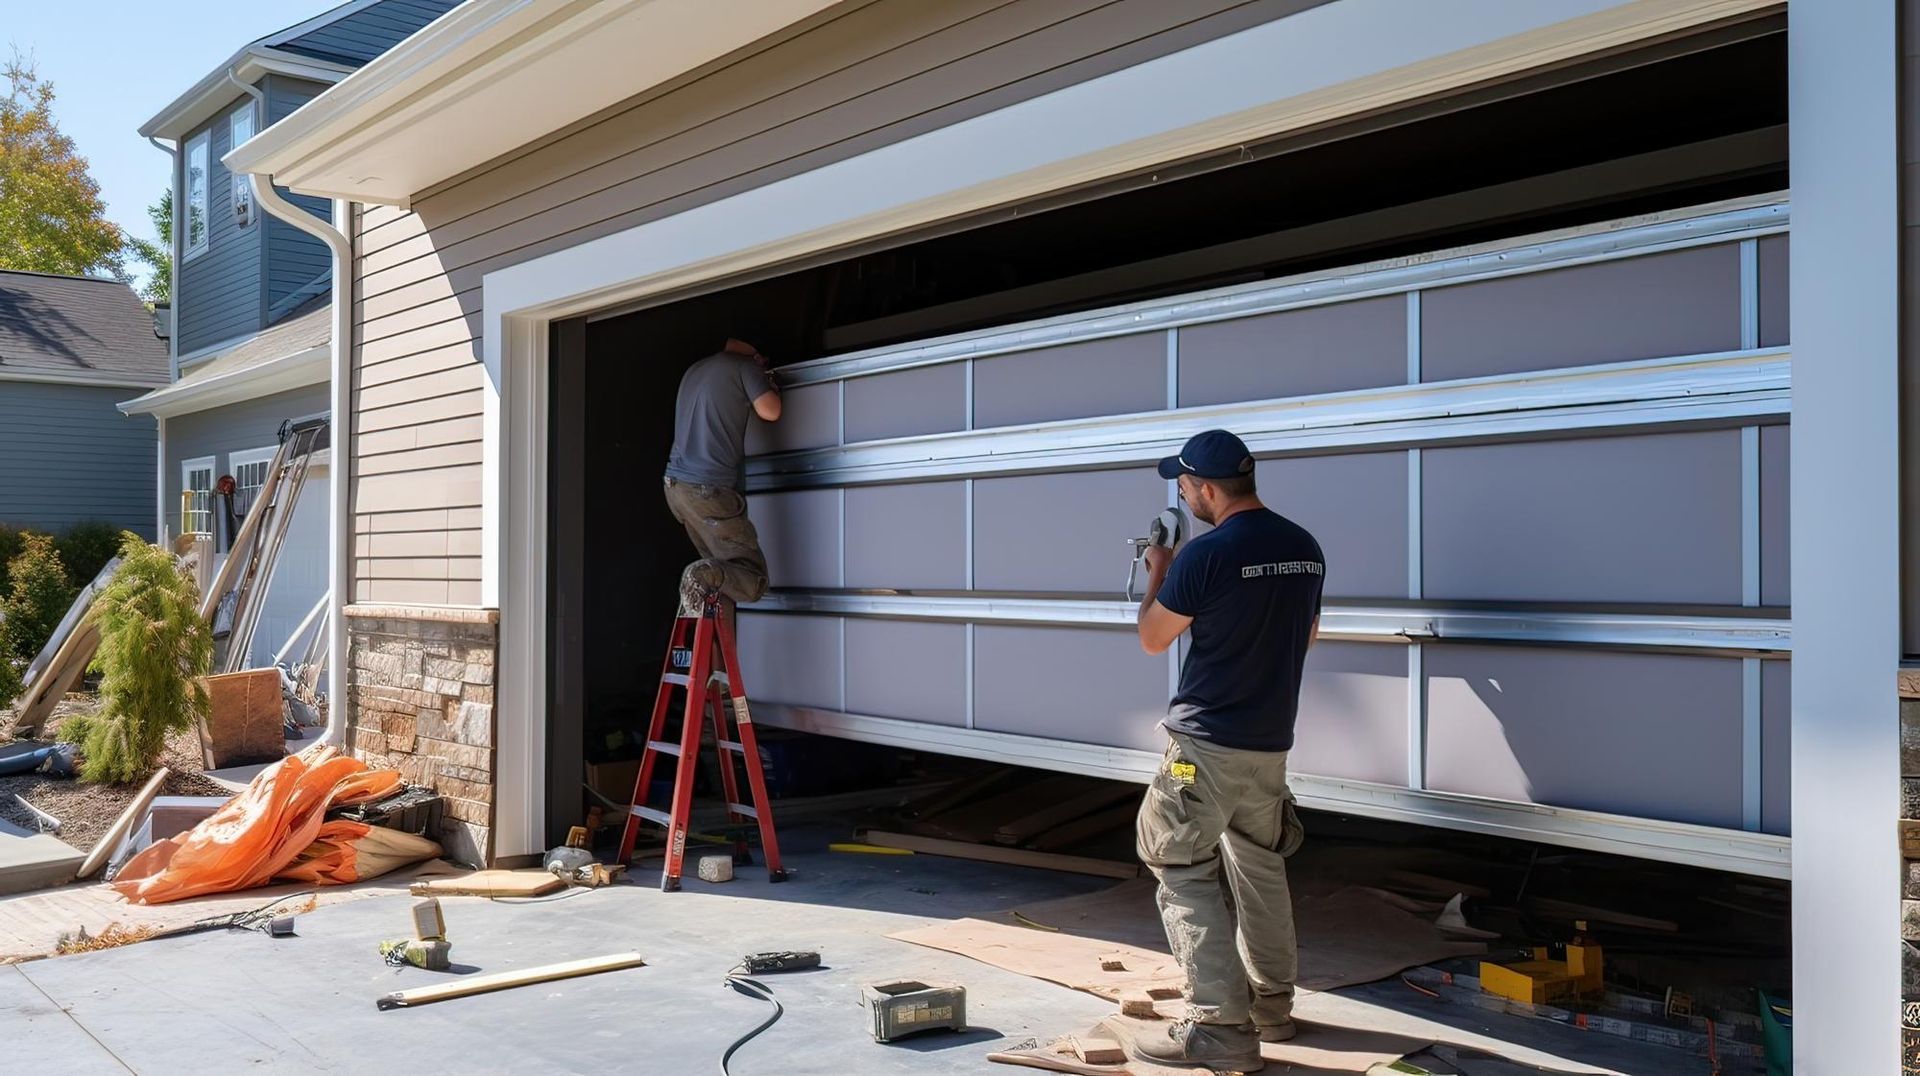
column 420, row 700
column 1909, row 680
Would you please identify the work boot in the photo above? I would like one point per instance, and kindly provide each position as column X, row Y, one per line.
column 1279, row 1032
column 1220, row 1047
column 701, row 581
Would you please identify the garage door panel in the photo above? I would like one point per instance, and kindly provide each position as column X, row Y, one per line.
column 791, row 659
column 1116, row 376
column 1776, row 307
column 1333, row 348
column 809, row 418
column 907, row 537
column 916, row 672
column 1655, row 736
column 1776, row 445
column 800, row 534
column 1776, row 747
column 930, row 399
column 1062, row 532
column 1079, row 684
column 1356, row 506
column 1682, row 303
column 1353, row 714
column 1618, row 519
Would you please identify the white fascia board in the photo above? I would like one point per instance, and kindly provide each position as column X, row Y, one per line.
column 212, row 93
column 103, row 379
column 489, row 77
column 298, row 370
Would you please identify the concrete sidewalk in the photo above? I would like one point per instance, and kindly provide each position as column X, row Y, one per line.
column 224, row 1002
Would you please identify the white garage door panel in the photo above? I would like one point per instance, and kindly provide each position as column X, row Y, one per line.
column 791, row 659
column 1776, row 499
column 299, row 575
column 1353, row 714
column 800, row 535
column 1356, row 507
column 1061, row 532
column 1776, row 746
column 1657, row 736
column 907, row 537
column 1116, row 376
column 1333, row 348
column 1079, row 684
column 809, row 418
column 931, row 399
column 1614, row 519
column 913, row 671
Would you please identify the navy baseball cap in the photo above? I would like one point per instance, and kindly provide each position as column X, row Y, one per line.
column 1212, row 454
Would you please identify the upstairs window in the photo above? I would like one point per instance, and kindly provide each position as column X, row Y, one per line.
column 240, row 127
column 196, row 165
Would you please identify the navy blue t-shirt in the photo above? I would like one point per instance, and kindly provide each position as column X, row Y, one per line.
column 1252, row 587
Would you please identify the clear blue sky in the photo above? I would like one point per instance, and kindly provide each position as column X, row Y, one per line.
column 113, row 65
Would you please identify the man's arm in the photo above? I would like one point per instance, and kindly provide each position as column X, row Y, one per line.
column 767, row 405
column 1159, row 626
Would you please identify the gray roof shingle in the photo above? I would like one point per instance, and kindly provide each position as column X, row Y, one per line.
column 76, row 324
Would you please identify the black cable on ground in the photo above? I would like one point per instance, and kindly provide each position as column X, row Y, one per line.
column 753, row 988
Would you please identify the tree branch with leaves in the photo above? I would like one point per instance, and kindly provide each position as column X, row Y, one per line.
column 52, row 218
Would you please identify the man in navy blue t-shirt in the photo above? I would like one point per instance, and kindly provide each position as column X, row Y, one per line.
column 1218, row 821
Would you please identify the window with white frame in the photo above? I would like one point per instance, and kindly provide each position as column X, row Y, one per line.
column 240, row 128
column 196, row 496
column 195, row 181
column 249, row 470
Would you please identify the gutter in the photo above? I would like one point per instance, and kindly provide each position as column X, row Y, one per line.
column 337, row 240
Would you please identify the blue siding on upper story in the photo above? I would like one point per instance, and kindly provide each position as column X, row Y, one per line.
column 68, row 455
column 220, row 294
column 298, row 265
column 359, row 37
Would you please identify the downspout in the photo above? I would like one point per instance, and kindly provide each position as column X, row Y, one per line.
column 173, row 340
column 335, row 237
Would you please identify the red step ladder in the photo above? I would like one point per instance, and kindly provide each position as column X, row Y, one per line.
column 719, row 692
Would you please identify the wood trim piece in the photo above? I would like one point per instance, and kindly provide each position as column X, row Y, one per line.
column 993, row 853
column 439, row 614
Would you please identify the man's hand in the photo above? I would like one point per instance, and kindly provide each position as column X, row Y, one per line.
column 1157, row 558
column 1159, row 626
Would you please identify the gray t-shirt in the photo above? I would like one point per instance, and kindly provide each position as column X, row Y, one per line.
column 710, row 420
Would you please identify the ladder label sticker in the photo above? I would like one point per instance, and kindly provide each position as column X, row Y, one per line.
column 740, row 713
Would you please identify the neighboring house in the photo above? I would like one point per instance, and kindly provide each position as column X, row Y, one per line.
column 1501, row 295
column 70, row 349
column 250, row 301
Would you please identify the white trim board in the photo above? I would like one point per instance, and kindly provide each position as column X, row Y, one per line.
column 308, row 366
column 1316, row 66
column 1672, row 842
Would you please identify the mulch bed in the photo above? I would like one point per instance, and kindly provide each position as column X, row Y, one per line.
column 87, row 811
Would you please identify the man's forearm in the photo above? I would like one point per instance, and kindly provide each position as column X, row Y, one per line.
column 1154, row 579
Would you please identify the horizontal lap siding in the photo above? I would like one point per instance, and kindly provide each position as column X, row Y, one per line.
column 879, row 73
column 67, row 455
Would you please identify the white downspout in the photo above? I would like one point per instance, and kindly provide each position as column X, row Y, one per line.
column 340, row 420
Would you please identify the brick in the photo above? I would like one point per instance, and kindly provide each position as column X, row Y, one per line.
column 444, row 668
column 1910, row 737
column 369, row 739
column 1910, row 920
column 464, row 842
column 401, row 741
column 462, row 773
column 477, row 673
column 416, row 770
column 480, row 693
column 414, row 659
column 378, row 668
column 481, row 655
column 1910, row 797
column 475, row 724
column 466, row 790
column 471, row 756
column 440, row 686
column 1909, row 972
column 466, row 810
column 1910, row 887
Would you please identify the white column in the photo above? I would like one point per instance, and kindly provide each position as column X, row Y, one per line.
column 1846, row 572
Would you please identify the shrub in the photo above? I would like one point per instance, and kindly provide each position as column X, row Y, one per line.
column 86, row 548
column 12, row 541
column 10, row 686
column 154, row 647
column 38, row 598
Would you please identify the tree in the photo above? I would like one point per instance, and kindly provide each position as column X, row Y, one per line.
column 157, row 256
column 52, row 219
column 154, row 647
column 39, row 598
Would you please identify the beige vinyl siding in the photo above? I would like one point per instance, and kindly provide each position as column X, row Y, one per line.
column 876, row 73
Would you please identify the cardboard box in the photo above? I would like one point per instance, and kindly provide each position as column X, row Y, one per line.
column 246, row 718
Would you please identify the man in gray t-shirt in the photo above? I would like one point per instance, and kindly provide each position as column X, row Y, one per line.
column 706, row 472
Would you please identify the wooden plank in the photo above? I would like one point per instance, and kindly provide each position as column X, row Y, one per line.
column 1081, row 828
column 110, row 840
column 1569, row 910
column 993, row 853
column 64, row 671
column 1105, row 793
column 468, row 985
column 1096, row 1051
column 491, row 883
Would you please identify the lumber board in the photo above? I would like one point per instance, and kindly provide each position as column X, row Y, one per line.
column 69, row 664
column 1097, row 1051
column 468, row 985
column 993, row 853
column 1093, row 799
column 69, row 623
column 109, row 841
column 1081, row 828
column 491, row 883
column 1569, row 910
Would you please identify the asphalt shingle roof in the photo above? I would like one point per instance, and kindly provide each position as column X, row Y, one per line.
column 77, row 324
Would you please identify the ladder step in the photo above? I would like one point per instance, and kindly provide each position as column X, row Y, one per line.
column 658, row 818
column 680, row 679
column 665, row 747
column 731, row 745
column 741, row 808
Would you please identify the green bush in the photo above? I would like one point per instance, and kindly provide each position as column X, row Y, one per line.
column 38, row 597
column 10, row 686
column 86, row 548
column 154, row 647
column 12, row 541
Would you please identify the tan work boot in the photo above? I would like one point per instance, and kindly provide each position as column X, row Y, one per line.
column 701, row 581
column 1279, row 1032
column 1219, row 1047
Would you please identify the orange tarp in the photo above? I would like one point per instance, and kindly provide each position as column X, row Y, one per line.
column 277, row 828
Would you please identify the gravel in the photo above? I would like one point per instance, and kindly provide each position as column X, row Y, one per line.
column 87, row 811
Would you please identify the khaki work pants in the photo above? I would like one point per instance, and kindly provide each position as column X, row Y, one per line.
column 1215, row 828
column 716, row 521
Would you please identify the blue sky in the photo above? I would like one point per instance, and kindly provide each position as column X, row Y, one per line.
column 113, row 65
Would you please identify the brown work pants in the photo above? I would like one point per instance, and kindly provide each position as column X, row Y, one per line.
column 716, row 521
column 1215, row 828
